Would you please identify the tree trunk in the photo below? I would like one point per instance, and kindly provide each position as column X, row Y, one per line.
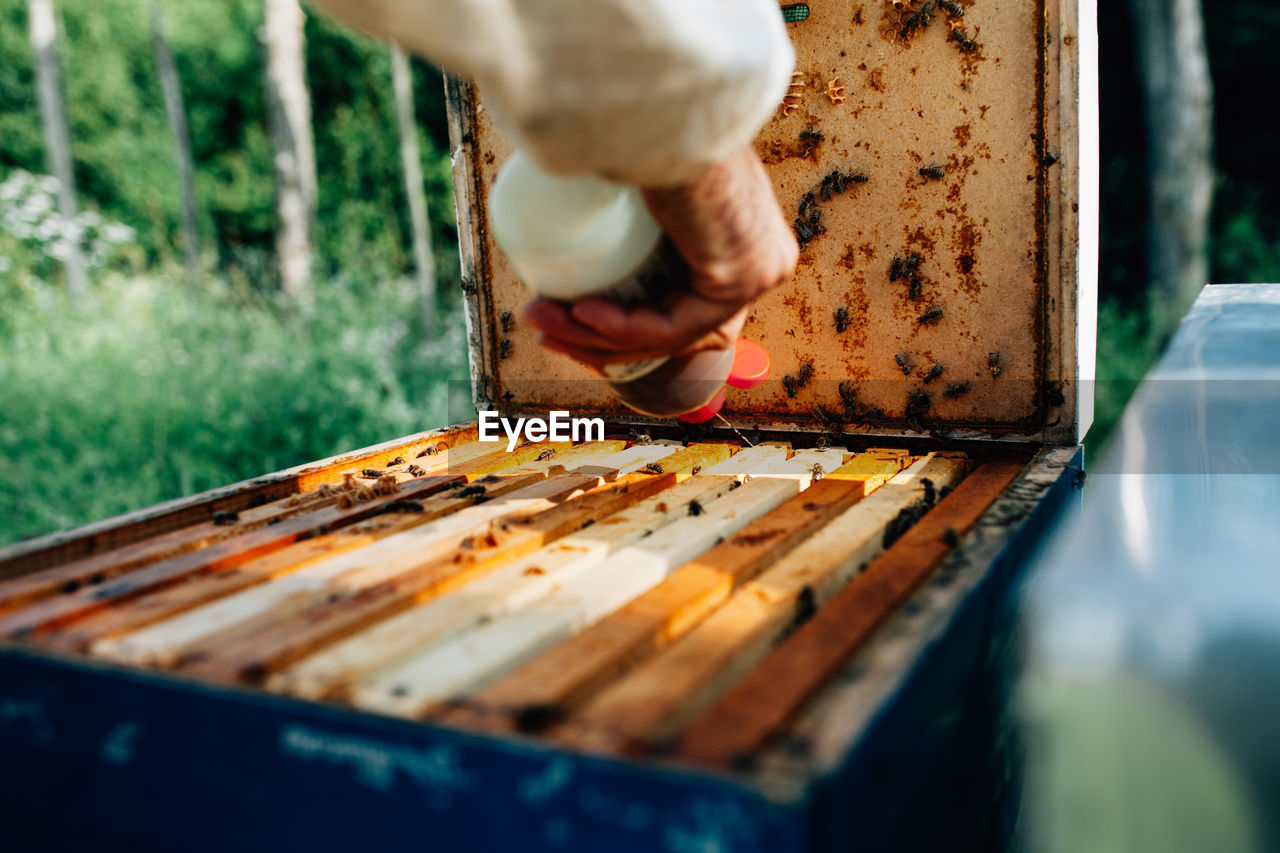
column 289, row 108
column 177, row 114
column 57, row 138
column 1178, row 94
column 424, row 260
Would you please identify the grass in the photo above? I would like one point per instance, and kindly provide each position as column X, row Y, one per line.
column 147, row 391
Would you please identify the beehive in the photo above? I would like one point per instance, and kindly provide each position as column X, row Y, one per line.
column 770, row 637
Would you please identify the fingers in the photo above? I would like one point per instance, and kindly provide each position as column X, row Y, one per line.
column 598, row 331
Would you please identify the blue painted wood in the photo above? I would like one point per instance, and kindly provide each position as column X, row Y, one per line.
column 114, row 757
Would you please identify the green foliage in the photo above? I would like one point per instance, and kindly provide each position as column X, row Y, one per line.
column 147, row 391
column 123, row 150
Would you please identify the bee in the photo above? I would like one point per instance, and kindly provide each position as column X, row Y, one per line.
column 549, row 453
column 993, row 364
column 416, row 471
column 950, row 537
column 399, row 460
column 933, row 172
column 817, row 471
column 915, row 289
column 371, row 473
column 504, row 348
column 966, row 44
column 430, row 451
column 653, row 468
column 789, row 384
column 911, row 264
column 918, row 402
column 815, row 217
column 642, row 438
column 276, row 520
column 505, row 319
column 802, row 232
column 858, row 178
column 695, row 508
column 806, row 373
column 471, row 491
column 905, row 364
column 402, row 506
column 842, row 319
column 929, row 317
column 224, row 517
column 805, row 204
column 952, row 9
column 896, row 268
column 468, row 287
column 1049, row 159
column 507, row 397
column 956, row 389
column 848, row 395
column 810, row 138
column 934, row 373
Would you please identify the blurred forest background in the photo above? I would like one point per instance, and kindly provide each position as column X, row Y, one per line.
column 142, row 358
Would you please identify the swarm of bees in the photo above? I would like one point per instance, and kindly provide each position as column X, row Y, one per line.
column 835, row 91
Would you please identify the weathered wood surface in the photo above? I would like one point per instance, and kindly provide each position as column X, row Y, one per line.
column 472, row 657
column 656, row 700
column 551, row 685
column 507, row 588
column 55, row 548
column 322, row 564
column 766, row 699
column 53, row 613
column 467, row 462
column 476, row 656
column 400, row 571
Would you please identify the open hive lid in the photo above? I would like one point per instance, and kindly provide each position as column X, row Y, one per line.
column 1005, row 304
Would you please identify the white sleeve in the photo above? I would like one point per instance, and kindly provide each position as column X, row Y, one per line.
column 648, row 92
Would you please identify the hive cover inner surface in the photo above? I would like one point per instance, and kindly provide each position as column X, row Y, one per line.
column 954, row 114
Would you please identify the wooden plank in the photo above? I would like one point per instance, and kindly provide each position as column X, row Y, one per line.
column 53, row 613
column 101, row 629
column 474, row 657
column 550, row 686
column 384, row 587
column 323, row 566
column 55, row 548
column 476, row 459
column 515, row 584
column 659, row 697
column 767, row 698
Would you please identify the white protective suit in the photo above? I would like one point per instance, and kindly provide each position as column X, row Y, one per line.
column 649, row 92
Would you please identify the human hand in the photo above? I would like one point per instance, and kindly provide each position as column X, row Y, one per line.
column 727, row 226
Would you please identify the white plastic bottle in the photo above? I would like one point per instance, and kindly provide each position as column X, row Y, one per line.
column 573, row 236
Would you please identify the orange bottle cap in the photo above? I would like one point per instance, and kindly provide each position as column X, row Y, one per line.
column 707, row 412
column 750, row 364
